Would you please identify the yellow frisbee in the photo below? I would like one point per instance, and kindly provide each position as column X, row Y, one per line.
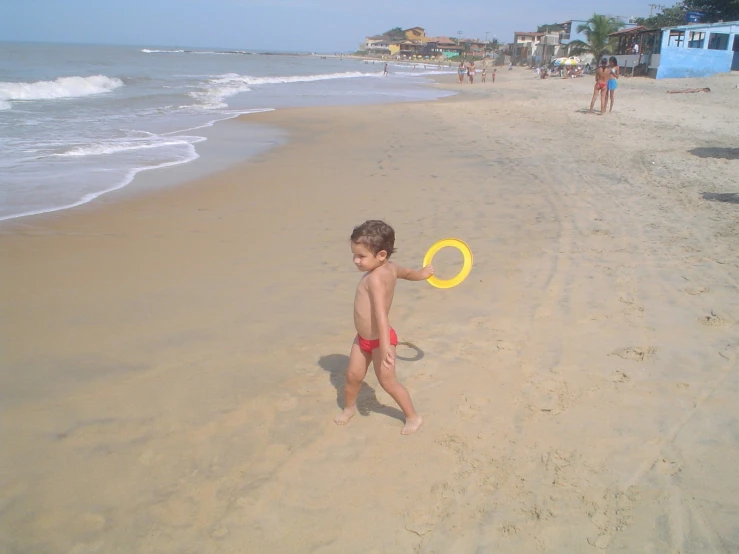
column 466, row 265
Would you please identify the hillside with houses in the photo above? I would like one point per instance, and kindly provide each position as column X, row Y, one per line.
column 414, row 44
column 688, row 48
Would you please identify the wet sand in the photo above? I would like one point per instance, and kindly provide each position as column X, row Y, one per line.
column 170, row 363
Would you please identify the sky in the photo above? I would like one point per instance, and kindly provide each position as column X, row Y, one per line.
column 324, row 26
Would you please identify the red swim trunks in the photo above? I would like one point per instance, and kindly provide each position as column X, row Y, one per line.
column 368, row 346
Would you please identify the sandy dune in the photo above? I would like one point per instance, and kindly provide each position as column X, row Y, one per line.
column 171, row 362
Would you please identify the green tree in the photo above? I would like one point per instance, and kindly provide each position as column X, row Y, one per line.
column 714, row 10
column 492, row 45
column 396, row 33
column 597, row 30
column 549, row 28
column 668, row 17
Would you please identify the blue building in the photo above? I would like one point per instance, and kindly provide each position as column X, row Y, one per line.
column 697, row 50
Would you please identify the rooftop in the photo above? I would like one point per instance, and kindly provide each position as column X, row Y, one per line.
column 631, row 31
column 694, row 25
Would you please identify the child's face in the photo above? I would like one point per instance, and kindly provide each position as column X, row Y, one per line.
column 364, row 259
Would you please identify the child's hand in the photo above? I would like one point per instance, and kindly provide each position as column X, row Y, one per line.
column 427, row 271
column 388, row 360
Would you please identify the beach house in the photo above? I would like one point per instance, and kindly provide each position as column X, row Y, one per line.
column 437, row 47
column 524, row 45
column 415, row 34
column 377, row 45
column 475, row 47
column 691, row 50
column 698, row 50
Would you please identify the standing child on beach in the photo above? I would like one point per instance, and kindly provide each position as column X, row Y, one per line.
column 484, row 70
column 492, row 75
column 372, row 243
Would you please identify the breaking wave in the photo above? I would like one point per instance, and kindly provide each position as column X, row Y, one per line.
column 63, row 87
column 223, row 86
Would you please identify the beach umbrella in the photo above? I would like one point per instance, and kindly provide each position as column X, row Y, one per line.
column 567, row 61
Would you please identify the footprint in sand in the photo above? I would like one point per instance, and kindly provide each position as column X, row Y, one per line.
column 429, row 510
column 694, row 291
column 286, row 403
column 636, row 353
column 731, row 352
column 467, row 409
column 548, row 396
column 667, row 467
column 712, row 320
column 620, row 377
column 601, row 232
column 508, row 529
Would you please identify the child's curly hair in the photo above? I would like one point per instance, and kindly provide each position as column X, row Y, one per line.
column 375, row 235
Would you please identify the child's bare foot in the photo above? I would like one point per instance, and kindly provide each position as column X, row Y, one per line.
column 344, row 417
column 411, row 425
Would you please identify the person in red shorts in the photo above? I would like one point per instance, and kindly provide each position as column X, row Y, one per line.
column 372, row 243
column 600, row 88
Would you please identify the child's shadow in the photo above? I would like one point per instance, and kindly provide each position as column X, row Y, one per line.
column 367, row 401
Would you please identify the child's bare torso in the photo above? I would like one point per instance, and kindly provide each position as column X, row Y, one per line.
column 364, row 316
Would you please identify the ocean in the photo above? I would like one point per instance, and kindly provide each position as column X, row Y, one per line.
column 77, row 121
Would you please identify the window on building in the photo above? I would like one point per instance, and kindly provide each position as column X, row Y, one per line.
column 697, row 38
column 736, row 43
column 718, row 41
column 676, row 38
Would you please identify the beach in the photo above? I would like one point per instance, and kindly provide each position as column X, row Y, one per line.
column 171, row 360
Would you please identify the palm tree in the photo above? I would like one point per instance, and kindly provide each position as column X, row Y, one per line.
column 597, row 31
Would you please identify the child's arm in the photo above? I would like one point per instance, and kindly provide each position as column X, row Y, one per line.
column 414, row 274
column 378, row 300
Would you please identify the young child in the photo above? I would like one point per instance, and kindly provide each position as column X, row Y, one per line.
column 372, row 244
column 484, row 71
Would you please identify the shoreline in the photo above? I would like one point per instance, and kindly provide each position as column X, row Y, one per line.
column 172, row 361
column 207, row 158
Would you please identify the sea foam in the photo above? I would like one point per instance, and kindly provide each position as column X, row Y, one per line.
column 231, row 78
column 63, row 87
column 114, row 147
column 223, row 86
column 148, row 51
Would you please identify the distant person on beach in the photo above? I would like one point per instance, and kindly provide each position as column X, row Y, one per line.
column 372, row 243
column 613, row 74
column 484, row 71
column 471, row 72
column 492, row 75
column 460, row 72
column 601, row 84
column 384, row 71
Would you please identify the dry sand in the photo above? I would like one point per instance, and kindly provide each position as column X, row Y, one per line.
column 171, row 363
